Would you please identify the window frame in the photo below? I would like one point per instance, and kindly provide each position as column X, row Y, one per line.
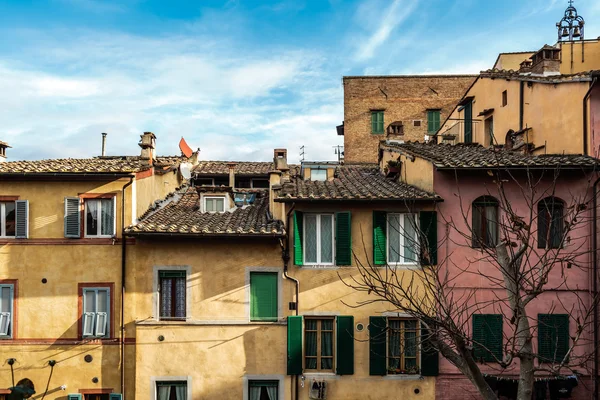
column 417, row 123
column 95, row 335
column 3, row 234
column 375, row 122
column 504, row 98
column 554, row 346
column 172, row 380
column 205, row 198
column 173, row 295
column 99, row 227
column 431, row 121
column 318, row 239
column 110, row 329
column 480, row 240
column 320, row 171
column 403, row 262
column 417, row 357
column 486, row 355
column 542, row 205
column 272, row 378
column 272, row 271
column 319, row 331
column 12, row 327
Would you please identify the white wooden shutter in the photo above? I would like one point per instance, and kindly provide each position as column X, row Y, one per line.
column 101, row 319
column 4, row 323
column 72, row 217
column 22, row 219
column 88, row 323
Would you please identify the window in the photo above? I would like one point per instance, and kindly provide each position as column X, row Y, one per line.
column 487, row 337
column 172, row 295
column 318, row 239
column 550, row 223
column 260, row 183
column 318, row 174
column 263, row 390
column 171, row 390
column 318, row 339
column 403, row 355
column 96, row 313
column 504, row 98
column 100, row 396
column 417, row 123
column 8, row 219
column 402, row 239
column 468, row 120
column 489, row 131
column 485, row 222
column 263, row 296
column 214, row 204
column 99, row 217
column 377, row 122
column 433, row 121
column 553, row 337
column 7, row 296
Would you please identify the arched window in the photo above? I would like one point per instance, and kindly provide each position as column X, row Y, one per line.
column 485, row 222
column 551, row 225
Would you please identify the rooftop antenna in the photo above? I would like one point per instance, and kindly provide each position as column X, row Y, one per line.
column 339, row 151
column 302, row 153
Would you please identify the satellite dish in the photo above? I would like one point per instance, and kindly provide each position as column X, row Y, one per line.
column 185, row 169
column 185, row 149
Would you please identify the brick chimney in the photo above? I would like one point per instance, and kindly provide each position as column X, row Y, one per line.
column 280, row 163
column 148, row 145
column 546, row 61
column 3, row 147
column 231, row 166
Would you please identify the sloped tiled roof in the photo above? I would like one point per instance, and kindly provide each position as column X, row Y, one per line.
column 180, row 214
column 121, row 164
column 241, row 168
column 516, row 75
column 352, row 182
column 477, row 156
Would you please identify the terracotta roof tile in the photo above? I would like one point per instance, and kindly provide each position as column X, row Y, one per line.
column 477, row 156
column 241, row 168
column 516, row 75
column 180, row 214
column 352, row 182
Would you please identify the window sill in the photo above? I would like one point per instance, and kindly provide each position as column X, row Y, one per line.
column 153, row 322
column 402, row 266
column 403, row 377
column 317, row 375
column 319, row 266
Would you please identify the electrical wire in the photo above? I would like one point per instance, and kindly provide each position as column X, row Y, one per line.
column 12, row 373
column 49, row 378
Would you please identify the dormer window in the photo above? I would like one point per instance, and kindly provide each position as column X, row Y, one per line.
column 318, row 174
column 214, row 204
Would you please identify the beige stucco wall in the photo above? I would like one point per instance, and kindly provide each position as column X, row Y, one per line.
column 403, row 98
column 154, row 187
column 512, row 61
column 573, row 60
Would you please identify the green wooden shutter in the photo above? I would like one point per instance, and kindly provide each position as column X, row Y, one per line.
column 22, row 219
column 377, row 345
column 379, row 237
column 74, row 397
column 343, row 238
column 373, row 122
column 298, row 235
column 345, row 345
column 428, row 227
column 430, row 360
column 553, row 337
column 377, row 122
column 72, row 217
column 468, row 117
column 294, row 345
column 380, row 122
column 433, row 121
column 115, row 396
column 487, row 334
column 263, row 296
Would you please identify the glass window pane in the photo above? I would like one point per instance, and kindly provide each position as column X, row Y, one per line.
column 91, row 215
column 326, row 238
column 310, row 238
column 318, row 174
column 5, row 299
column 210, row 205
column 108, row 216
column 394, row 345
column 410, row 339
column 102, row 300
column 219, row 204
column 166, row 285
column 491, row 219
column 180, row 298
column 89, row 301
column 393, row 238
column 410, row 239
column 10, row 218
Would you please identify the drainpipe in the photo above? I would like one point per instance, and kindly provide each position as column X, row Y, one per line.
column 123, row 264
column 585, row 118
column 521, row 103
column 595, row 284
column 285, row 256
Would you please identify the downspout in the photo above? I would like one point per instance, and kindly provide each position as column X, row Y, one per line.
column 521, row 103
column 595, row 285
column 285, row 256
column 585, row 117
column 123, row 264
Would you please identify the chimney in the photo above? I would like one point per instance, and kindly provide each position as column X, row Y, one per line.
column 104, row 144
column 231, row 166
column 148, row 145
column 277, row 209
column 195, row 158
column 546, row 61
column 280, row 162
column 3, row 147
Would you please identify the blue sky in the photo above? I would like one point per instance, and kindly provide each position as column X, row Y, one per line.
column 236, row 78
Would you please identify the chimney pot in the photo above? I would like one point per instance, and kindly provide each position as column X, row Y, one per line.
column 3, row 147
column 280, row 162
column 104, row 134
column 148, row 145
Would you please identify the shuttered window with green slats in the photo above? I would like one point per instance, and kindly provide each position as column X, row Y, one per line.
column 433, row 121
column 379, row 237
column 263, row 296
column 343, row 238
column 298, row 237
column 487, row 337
column 322, row 239
column 553, row 337
column 377, row 122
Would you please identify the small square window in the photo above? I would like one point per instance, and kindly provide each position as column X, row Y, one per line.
column 417, row 123
column 7, row 219
column 263, row 390
column 171, row 390
column 504, row 98
column 318, row 174
column 100, row 217
column 214, row 204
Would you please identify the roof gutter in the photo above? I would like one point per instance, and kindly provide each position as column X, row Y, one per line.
column 49, row 175
column 585, row 115
column 303, row 200
column 203, row 235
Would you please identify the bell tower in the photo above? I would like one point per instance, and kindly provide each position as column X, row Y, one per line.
column 570, row 27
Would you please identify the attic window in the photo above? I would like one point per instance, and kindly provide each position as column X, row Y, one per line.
column 260, row 183
column 417, row 123
column 396, row 128
column 214, row 204
column 318, row 174
column 205, row 182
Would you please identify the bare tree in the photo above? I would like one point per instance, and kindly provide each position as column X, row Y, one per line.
column 524, row 247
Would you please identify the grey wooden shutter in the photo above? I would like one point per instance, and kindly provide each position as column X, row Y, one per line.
column 72, row 218
column 22, row 219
